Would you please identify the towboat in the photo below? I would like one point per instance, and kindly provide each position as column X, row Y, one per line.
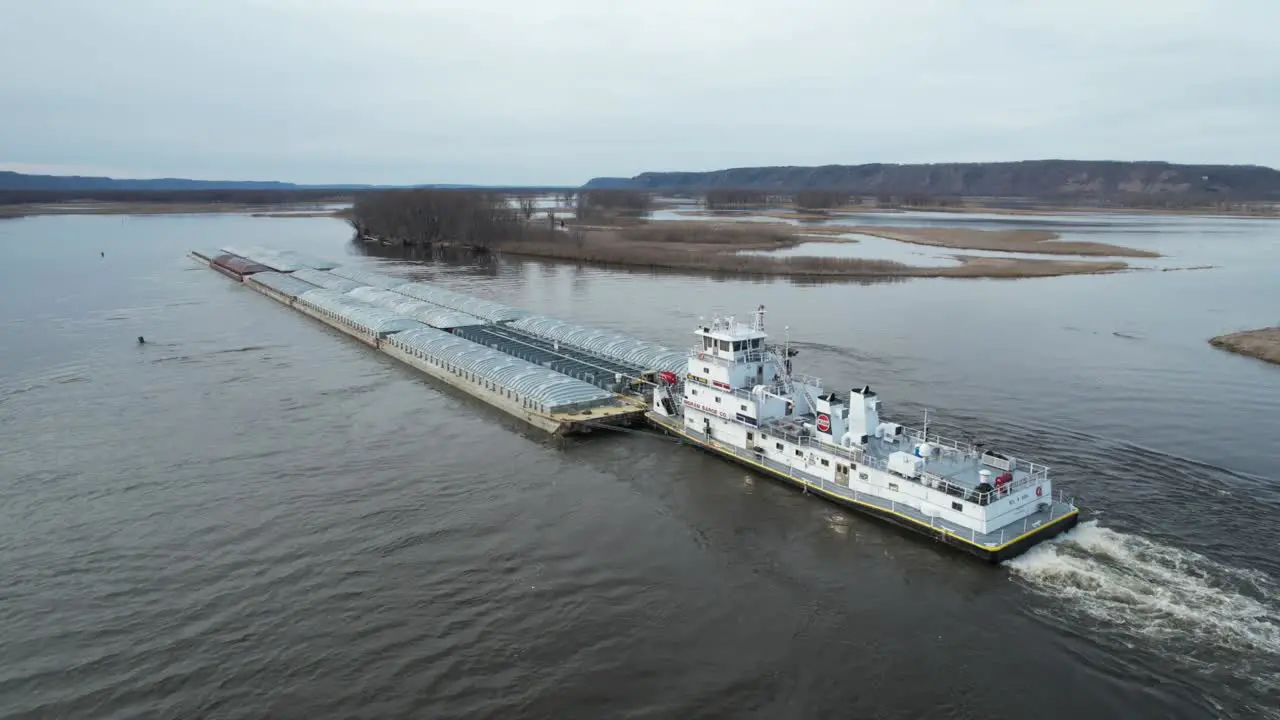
column 740, row 399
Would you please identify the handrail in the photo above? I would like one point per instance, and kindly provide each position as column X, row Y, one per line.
column 1026, row 466
column 936, row 482
column 927, row 478
column 753, row 355
column 784, row 387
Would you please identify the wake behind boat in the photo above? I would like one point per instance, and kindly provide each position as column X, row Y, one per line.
column 740, row 399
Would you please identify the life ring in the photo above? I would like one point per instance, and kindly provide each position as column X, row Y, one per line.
column 1039, row 491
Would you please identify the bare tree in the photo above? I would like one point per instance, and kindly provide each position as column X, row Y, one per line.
column 601, row 203
column 528, row 204
column 821, row 199
column 427, row 217
column 731, row 198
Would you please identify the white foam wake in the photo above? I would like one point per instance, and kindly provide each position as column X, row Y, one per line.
column 1181, row 602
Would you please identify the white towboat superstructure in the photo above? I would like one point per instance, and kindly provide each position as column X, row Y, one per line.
column 739, row 398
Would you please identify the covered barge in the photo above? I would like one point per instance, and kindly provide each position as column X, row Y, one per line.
column 560, row 395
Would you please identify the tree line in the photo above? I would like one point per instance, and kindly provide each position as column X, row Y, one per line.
column 1181, row 201
column 918, row 200
column 735, row 198
column 816, row 199
column 478, row 219
column 241, row 196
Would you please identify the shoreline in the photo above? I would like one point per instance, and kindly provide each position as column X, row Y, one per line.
column 1262, row 344
column 91, row 207
column 791, row 213
column 782, row 212
column 719, row 247
column 701, row 246
column 1040, row 242
column 834, row 269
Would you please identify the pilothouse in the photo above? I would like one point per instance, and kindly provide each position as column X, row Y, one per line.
column 740, row 398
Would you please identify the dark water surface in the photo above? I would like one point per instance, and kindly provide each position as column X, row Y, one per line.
column 251, row 516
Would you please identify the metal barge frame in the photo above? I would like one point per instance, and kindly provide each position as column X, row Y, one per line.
column 619, row 411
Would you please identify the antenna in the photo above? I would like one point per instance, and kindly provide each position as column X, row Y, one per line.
column 926, row 424
column 786, row 348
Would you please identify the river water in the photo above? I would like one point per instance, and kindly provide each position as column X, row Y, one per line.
column 250, row 516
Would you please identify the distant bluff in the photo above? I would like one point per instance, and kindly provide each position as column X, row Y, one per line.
column 1028, row 178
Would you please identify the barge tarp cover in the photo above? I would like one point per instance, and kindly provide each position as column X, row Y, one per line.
column 376, row 320
column 487, row 309
column 262, row 256
column 282, row 283
column 239, row 265
column 280, row 260
column 308, row 261
column 429, row 313
column 366, row 277
column 552, row 390
column 625, row 349
column 320, row 278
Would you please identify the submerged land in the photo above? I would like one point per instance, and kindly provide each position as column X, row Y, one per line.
column 724, row 229
column 611, row 229
column 1263, row 344
column 1042, row 242
column 731, row 247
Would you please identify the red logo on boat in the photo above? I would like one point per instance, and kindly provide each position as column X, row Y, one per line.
column 824, row 423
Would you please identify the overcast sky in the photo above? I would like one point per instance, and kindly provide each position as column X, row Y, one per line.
column 559, row 91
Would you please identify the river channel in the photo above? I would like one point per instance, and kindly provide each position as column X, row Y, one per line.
column 251, row 516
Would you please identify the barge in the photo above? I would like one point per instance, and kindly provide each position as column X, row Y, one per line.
column 738, row 398
column 424, row 337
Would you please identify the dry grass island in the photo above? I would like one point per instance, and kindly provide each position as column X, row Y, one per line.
column 606, row 227
column 608, row 230
column 1263, row 344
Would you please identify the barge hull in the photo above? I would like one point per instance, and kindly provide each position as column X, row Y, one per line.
column 992, row 554
column 625, row 413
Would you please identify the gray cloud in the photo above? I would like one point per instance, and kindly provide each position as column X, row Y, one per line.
column 561, row 90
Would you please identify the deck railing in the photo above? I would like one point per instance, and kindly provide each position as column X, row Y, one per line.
column 1034, row 471
column 1056, row 510
column 928, row 479
column 707, row 356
